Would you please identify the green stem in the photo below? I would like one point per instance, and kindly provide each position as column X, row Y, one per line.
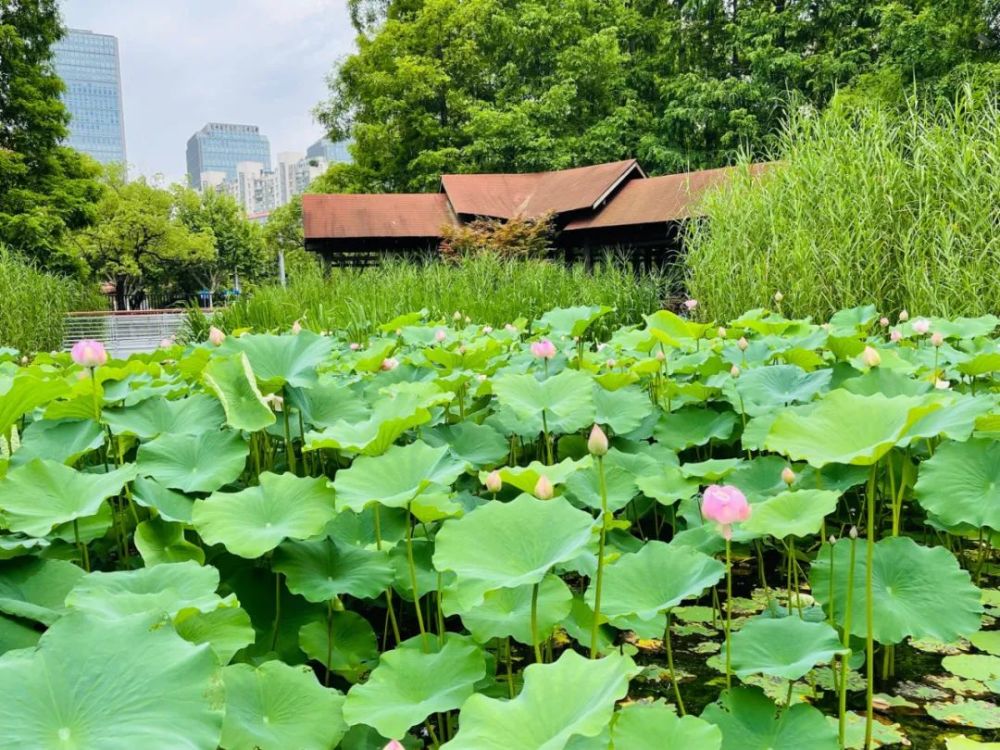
column 277, row 609
column 534, row 623
column 289, row 447
column 600, row 557
column 670, row 666
column 729, row 614
column 390, row 609
column 870, row 611
column 848, row 611
column 329, row 639
column 545, row 437
column 84, row 552
column 510, row 668
column 413, row 578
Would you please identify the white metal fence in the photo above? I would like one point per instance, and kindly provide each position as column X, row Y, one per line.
column 123, row 333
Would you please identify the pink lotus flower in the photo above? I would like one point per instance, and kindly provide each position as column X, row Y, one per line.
column 870, row 357
column 725, row 505
column 440, row 335
column 743, row 343
column 544, row 489
column 89, row 353
column 787, row 475
column 896, row 336
column 216, row 336
column 543, row 349
column 734, row 371
column 661, row 356
column 722, row 332
column 597, row 443
column 690, row 304
column 390, row 363
column 937, row 339
column 394, row 745
column 611, row 364
column 493, row 481
column 884, row 322
column 354, row 346
column 921, row 326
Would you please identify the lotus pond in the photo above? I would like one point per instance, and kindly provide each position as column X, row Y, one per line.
column 779, row 535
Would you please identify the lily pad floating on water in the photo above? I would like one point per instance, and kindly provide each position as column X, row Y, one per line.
column 966, row 713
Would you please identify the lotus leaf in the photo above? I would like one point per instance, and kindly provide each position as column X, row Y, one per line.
column 764, row 389
column 155, row 416
column 227, row 629
column 35, row 589
column 198, row 463
column 172, row 506
column 788, row 647
column 344, row 643
column 654, row 726
column 566, row 399
column 750, row 721
column 160, row 541
column 692, row 426
column 960, row 484
column 792, row 513
column 324, row 569
column 572, row 321
column 62, row 440
column 232, row 381
column 525, row 478
column 281, row 360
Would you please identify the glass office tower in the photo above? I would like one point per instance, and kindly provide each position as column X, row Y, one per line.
column 88, row 64
column 219, row 147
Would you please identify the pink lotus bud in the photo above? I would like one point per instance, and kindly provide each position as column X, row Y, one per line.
column 725, row 505
column 394, row 745
column 354, row 346
column 543, row 349
column 493, row 481
column 661, row 356
column 870, row 357
column 597, row 443
column 510, row 328
column 544, row 489
column 690, row 304
column 921, row 326
column 778, row 296
column 611, row 364
column 24, row 359
column 390, row 363
column 787, row 475
column 896, row 336
column 942, row 385
column 884, row 322
column 166, row 343
column 487, row 330
column 743, row 343
column 903, row 316
column 296, row 327
column 89, row 353
column 456, row 316
column 734, row 371
column 853, row 533
column 440, row 335
column 216, row 336
column 722, row 332
column 832, row 540
column 936, row 338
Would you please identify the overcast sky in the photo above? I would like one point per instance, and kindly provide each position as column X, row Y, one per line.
column 188, row 62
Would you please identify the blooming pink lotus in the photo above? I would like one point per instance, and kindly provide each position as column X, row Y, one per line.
column 725, row 505
column 896, row 336
column 691, row 304
column 543, row 349
column 921, row 325
column 89, row 353
column 216, row 336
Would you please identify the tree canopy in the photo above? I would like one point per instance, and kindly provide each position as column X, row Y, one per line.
column 504, row 85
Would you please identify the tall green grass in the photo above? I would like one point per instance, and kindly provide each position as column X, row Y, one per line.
column 865, row 206
column 33, row 304
column 488, row 289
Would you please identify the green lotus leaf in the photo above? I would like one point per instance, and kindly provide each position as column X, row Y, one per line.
column 41, row 494
column 194, row 463
column 792, row 513
column 507, row 612
column 35, row 589
column 584, row 486
column 16, row 634
column 396, row 477
column 328, row 402
column 788, row 647
column 186, row 416
column 692, row 425
column 525, row 478
column 655, row 579
column 345, row 644
column 476, row 444
column 358, row 529
column 276, row 707
column 973, row 666
column 844, row 428
column 63, row 440
column 655, row 726
column 961, row 742
column 414, row 680
column 854, row 318
column 566, row 398
column 764, row 389
column 919, row 592
column 232, row 381
column 572, row 696
column 427, row 578
column 987, row 640
column 965, row 328
column 254, row 521
column 623, row 410
column 750, row 721
column 983, row 363
column 960, row 484
column 712, row 470
column 227, row 629
column 674, row 326
column 955, row 418
column 115, row 684
column 668, row 486
column 760, row 478
column 572, row 321
column 172, row 506
column 966, row 713
column 886, row 382
column 24, row 393
column 324, row 569
column 160, row 541
column 281, row 360
column 508, row 545
column 165, row 589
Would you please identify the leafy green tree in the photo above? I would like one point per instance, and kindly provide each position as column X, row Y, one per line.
column 139, row 243
column 46, row 190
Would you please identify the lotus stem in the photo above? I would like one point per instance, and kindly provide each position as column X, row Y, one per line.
column 870, row 611
column 670, row 666
column 84, row 552
column 329, row 640
column 97, row 402
column 390, row 610
column 289, row 447
column 729, row 614
column 600, row 557
column 545, row 439
column 510, row 668
column 848, row 612
column 413, row 578
column 534, row 623
column 277, row 609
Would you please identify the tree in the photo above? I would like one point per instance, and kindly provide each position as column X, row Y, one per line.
column 46, row 190
column 139, row 243
column 520, row 85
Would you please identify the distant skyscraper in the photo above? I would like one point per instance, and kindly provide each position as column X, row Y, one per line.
column 333, row 151
column 88, row 63
column 220, row 147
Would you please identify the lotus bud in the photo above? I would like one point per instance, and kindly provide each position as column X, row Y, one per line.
column 722, row 332
column 457, row 316
column 903, row 316
column 661, row 356
column 493, row 482
column 543, row 349
column 832, row 540
column 896, row 336
column 89, row 353
column 734, row 371
column 691, row 304
column 853, row 533
column 296, row 327
column 390, row 363
column 487, row 330
column 216, row 336
column 355, row 346
column 440, row 335
column 921, row 326
column 787, row 475
column 778, row 296
column 884, row 322
column 394, row 745
column 942, row 385
column 611, row 364
column 870, row 357
column 166, row 343
column 399, row 331
column 544, row 489
column 936, row 338
column 24, row 359
column 509, row 327
column 597, row 443
column 743, row 343
column 468, row 319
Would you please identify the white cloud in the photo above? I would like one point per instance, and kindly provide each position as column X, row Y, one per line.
column 188, row 62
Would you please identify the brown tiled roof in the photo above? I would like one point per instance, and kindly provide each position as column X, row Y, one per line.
column 375, row 215
column 656, row 200
column 504, row 196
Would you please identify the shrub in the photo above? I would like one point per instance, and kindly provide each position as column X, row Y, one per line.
column 518, row 238
column 866, row 206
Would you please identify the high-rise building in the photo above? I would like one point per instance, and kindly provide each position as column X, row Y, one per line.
column 88, row 64
column 335, row 152
column 220, row 147
column 294, row 172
